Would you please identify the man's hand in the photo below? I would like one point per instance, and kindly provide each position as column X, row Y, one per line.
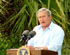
column 42, row 48
column 33, row 48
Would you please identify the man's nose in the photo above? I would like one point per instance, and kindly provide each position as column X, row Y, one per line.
column 42, row 18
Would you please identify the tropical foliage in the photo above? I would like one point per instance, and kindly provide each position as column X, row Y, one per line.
column 19, row 15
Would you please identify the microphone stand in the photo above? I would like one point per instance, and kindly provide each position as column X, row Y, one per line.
column 26, row 41
column 29, row 37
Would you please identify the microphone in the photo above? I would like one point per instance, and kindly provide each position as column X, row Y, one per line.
column 31, row 34
column 24, row 35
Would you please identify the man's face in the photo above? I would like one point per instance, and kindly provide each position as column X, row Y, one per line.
column 44, row 19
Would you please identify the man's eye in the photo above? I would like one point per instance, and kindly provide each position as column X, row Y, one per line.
column 39, row 17
column 43, row 16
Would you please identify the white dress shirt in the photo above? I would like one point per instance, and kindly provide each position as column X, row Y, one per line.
column 52, row 37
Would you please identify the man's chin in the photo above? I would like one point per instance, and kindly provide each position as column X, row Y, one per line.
column 43, row 25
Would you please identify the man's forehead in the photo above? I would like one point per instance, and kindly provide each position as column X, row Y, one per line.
column 42, row 13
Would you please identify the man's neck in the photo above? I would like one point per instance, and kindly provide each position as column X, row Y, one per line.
column 44, row 27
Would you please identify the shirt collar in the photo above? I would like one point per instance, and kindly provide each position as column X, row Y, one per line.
column 50, row 26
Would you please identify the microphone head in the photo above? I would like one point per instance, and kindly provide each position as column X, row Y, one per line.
column 31, row 34
column 25, row 33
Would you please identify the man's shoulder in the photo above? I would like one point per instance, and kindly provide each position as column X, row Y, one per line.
column 58, row 28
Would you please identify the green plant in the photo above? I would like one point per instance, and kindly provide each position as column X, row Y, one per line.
column 19, row 15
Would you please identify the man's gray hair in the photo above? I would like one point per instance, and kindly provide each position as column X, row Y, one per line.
column 44, row 9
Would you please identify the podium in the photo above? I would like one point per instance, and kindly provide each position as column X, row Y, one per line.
column 31, row 52
column 43, row 52
column 12, row 52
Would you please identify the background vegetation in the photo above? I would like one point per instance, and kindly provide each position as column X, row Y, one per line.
column 19, row 15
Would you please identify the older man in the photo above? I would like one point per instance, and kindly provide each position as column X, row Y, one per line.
column 49, row 36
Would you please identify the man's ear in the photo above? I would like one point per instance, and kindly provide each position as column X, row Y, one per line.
column 50, row 17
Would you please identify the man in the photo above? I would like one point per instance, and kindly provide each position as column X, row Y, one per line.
column 49, row 36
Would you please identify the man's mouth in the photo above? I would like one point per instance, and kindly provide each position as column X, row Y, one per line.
column 42, row 22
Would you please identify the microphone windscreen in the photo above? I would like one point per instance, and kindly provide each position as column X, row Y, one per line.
column 32, row 33
column 25, row 32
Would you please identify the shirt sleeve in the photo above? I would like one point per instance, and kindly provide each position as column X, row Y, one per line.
column 57, row 40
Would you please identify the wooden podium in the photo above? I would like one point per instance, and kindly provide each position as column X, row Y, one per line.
column 43, row 52
column 12, row 52
column 32, row 52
